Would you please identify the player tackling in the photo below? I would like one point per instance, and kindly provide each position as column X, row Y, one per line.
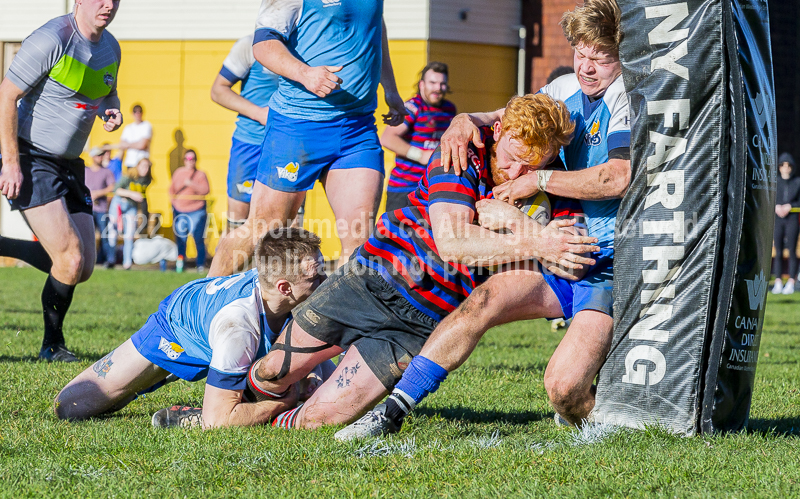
column 211, row 328
column 421, row 262
column 598, row 164
column 64, row 76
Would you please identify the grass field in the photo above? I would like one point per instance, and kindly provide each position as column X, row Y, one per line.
column 488, row 432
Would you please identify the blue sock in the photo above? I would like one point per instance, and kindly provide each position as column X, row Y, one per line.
column 421, row 377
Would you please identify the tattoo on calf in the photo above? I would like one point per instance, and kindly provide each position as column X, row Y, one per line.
column 347, row 375
column 102, row 366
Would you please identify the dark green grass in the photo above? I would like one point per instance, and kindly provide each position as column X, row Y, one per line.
column 488, row 432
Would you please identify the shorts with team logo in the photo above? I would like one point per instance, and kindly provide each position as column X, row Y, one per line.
column 46, row 178
column 242, row 169
column 357, row 307
column 157, row 344
column 296, row 152
column 593, row 292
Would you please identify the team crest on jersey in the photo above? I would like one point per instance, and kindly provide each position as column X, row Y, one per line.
column 108, row 79
column 593, row 137
column 331, row 3
column 170, row 349
column 245, row 187
column 289, row 172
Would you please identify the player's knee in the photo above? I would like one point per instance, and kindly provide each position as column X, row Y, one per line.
column 567, row 398
column 66, row 408
column 70, row 263
column 269, row 368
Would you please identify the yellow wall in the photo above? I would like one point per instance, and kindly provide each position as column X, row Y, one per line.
column 172, row 80
column 482, row 77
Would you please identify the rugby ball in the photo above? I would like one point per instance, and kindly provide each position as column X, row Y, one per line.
column 538, row 208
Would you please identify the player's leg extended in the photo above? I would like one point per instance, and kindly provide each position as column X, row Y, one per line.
column 354, row 195
column 346, row 395
column 268, row 208
column 519, row 293
column 109, row 383
column 570, row 374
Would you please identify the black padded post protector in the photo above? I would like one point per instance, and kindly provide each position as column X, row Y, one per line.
column 694, row 230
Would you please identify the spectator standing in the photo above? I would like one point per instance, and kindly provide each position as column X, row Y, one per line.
column 414, row 140
column 787, row 224
column 188, row 190
column 129, row 199
column 114, row 165
column 100, row 181
column 135, row 139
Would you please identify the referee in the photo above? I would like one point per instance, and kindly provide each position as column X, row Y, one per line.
column 64, row 76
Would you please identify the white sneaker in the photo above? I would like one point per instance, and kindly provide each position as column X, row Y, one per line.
column 788, row 289
column 372, row 424
column 778, row 287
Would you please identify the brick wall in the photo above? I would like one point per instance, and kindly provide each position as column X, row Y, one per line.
column 555, row 50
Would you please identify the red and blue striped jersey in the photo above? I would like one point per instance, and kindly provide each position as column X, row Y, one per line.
column 426, row 124
column 402, row 248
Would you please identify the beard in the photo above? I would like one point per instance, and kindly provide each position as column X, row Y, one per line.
column 498, row 176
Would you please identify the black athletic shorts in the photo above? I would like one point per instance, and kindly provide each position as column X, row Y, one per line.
column 396, row 200
column 357, row 307
column 46, row 178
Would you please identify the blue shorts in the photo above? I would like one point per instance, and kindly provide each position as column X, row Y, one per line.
column 157, row 344
column 296, row 153
column 242, row 168
column 593, row 292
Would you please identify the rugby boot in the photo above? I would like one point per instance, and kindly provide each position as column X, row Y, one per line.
column 57, row 353
column 372, row 424
column 178, row 416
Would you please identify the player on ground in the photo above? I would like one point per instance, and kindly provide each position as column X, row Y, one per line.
column 65, row 75
column 413, row 141
column 598, row 164
column 331, row 57
column 258, row 85
column 421, row 262
column 211, row 328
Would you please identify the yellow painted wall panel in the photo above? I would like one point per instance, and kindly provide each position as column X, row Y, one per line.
column 172, row 80
column 482, row 77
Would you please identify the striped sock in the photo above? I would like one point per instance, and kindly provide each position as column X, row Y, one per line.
column 398, row 405
column 286, row 419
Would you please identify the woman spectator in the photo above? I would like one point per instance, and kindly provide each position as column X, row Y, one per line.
column 128, row 200
column 787, row 223
column 188, row 191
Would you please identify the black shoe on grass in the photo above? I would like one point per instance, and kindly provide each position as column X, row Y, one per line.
column 57, row 353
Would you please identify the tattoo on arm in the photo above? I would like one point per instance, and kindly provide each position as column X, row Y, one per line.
column 348, row 373
column 103, row 366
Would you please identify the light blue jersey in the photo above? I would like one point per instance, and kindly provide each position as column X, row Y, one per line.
column 600, row 127
column 326, row 33
column 258, row 85
column 221, row 320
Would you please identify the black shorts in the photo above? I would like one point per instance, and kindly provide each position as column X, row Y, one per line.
column 396, row 200
column 357, row 307
column 46, row 178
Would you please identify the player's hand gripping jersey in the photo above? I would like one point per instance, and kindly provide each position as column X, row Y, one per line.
column 214, row 326
column 602, row 131
column 68, row 80
column 324, row 33
column 402, row 248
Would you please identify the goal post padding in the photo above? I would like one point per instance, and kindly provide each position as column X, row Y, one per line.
column 694, row 231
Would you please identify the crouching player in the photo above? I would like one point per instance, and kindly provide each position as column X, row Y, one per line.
column 421, row 262
column 210, row 328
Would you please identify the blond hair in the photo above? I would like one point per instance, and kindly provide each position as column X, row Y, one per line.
column 595, row 24
column 541, row 123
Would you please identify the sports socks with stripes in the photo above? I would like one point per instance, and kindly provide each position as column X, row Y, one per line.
column 286, row 419
column 421, row 377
